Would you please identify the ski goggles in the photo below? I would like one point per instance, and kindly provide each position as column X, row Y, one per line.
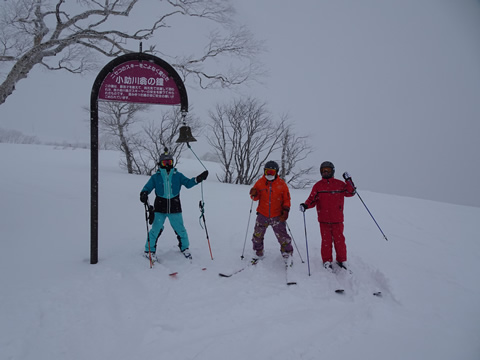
column 166, row 162
column 327, row 170
column 271, row 172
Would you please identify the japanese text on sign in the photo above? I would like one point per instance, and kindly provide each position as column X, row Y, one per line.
column 140, row 82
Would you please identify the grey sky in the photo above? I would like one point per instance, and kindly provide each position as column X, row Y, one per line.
column 387, row 90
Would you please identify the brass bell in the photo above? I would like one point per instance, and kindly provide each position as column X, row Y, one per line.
column 185, row 135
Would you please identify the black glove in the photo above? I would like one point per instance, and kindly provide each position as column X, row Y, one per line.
column 202, row 176
column 144, row 197
column 303, row 207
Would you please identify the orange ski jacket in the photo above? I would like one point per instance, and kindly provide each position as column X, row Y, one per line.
column 273, row 197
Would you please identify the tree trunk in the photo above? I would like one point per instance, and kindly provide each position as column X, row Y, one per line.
column 19, row 71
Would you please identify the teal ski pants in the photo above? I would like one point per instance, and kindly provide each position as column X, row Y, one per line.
column 176, row 221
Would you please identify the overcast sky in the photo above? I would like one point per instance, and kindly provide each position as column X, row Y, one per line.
column 388, row 90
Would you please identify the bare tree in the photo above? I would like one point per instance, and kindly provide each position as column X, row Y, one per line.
column 148, row 145
column 142, row 142
column 116, row 120
column 61, row 36
column 244, row 136
column 294, row 150
column 16, row 137
column 239, row 45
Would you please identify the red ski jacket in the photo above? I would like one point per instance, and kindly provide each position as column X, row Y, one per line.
column 328, row 196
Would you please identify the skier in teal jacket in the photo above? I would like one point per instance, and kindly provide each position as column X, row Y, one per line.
column 167, row 182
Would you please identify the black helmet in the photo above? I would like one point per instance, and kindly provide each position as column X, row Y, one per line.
column 165, row 156
column 327, row 164
column 271, row 165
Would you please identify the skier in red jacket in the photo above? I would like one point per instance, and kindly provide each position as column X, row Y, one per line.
column 328, row 196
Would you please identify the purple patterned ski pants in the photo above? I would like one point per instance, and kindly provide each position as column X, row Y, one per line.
column 279, row 228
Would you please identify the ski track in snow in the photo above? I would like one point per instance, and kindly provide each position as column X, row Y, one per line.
column 241, row 307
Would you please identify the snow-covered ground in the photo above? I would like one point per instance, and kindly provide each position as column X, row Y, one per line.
column 55, row 305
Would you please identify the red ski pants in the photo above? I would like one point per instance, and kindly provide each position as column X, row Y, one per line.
column 332, row 233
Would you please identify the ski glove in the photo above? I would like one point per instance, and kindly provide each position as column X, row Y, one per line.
column 201, row 177
column 253, row 192
column 348, row 179
column 144, row 197
column 303, row 207
column 284, row 215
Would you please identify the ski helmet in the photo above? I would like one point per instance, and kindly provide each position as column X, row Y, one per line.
column 273, row 166
column 327, row 164
column 166, row 160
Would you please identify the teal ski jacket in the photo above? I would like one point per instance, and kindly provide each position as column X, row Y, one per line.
column 167, row 186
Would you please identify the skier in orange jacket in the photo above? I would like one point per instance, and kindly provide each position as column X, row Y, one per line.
column 273, row 198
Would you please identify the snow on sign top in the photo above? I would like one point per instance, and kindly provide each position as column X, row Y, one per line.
column 140, row 82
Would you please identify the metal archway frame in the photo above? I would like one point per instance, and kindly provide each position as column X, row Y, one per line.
column 94, row 130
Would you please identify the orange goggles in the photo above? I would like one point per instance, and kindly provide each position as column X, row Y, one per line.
column 166, row 162
column 271, row 172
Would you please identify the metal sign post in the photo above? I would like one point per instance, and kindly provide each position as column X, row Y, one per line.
column 132, row 78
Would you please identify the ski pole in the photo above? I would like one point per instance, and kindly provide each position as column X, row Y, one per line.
column 290, row 231
column 246, row 232
column 202, row 202
column 306, row 242
column 348, row 179
column 200, row 161
column 202, row 216
column 371, row 216
column 148, row 235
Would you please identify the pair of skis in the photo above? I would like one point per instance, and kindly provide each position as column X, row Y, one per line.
column 376, row 293
column 350, row 272
column 288, row 267
column 254, row 261
column 152, row 258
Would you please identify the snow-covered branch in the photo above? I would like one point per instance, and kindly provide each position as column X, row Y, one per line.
column 63, row 36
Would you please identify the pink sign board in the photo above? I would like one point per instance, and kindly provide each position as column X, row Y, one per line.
column 140, row 82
